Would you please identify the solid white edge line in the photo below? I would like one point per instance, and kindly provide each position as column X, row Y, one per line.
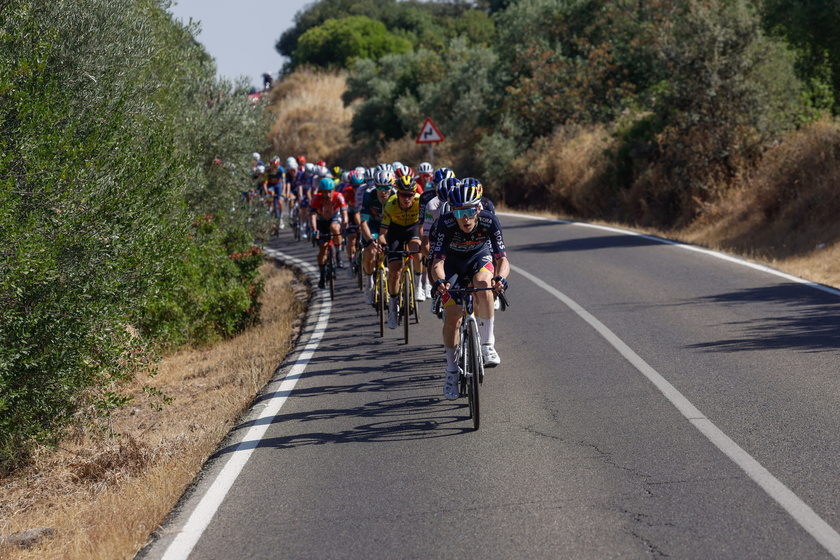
column 183, row 544
column 790, row 502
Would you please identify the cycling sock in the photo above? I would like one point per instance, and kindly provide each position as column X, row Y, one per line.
column 450, row 359
column 369, row 281
column 393, row 302
column 323, row 271
column 485, row 331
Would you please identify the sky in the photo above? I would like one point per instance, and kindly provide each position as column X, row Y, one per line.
column 240, row 35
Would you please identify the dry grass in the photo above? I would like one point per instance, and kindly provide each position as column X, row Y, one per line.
column 106, row 496
column 309, row 117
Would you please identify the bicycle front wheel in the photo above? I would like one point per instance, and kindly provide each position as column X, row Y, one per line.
column 382, row 300
column 331, row 272
column 474, row 364
column 406, row 300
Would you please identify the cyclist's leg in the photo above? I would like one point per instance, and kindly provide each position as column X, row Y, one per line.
column 483, row 278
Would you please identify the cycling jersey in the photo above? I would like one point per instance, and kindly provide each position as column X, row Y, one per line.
column 328, row 206
column 274, row 175
column 451, row 241
column 371, row 211
column 425, row 198
column 393, row 213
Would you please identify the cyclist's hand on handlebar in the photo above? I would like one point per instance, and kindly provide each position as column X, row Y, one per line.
column 440, row 287
column 500, row 284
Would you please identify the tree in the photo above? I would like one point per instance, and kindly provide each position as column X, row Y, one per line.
column 340, row 42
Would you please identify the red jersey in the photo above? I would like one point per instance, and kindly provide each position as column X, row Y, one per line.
column 328, row 206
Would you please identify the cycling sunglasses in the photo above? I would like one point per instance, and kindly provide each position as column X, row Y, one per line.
column 466, row 213
column 380, row 188
column 406, row 195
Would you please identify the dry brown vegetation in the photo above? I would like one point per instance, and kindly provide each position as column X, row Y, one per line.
column 308, row 116
column 104, row 496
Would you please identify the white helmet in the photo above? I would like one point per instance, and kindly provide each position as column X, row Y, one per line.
column 425, row 168
column 291, row 163
column 322, row 171
column 256, row 156
column 309, row 167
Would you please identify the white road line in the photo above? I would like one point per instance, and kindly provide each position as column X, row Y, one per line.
column 709, row 252
column 188, row 536
column 799, row 510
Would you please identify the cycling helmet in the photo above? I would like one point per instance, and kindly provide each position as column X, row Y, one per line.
column 396, row 165
column 337, row 171
column 442, row 173
column 464, row 195
column 275, row 160
column 345, row 176
column 322, row 171
column 474, row 183
column 301, row 160
column 425, row 168
column 356, row 178
column 320, row 162
column 443, row 187
column 369, row 173
column 291, row 163
column 361, row 171
column 309, row 168
column 384, row 178
column 384, row 167
column 404, row 171
column 326, row 184
column 406, row 184
column 256, row 156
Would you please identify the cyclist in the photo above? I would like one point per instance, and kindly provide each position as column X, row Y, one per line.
column 426, row 219
column 303, row 192
column 275, row 188
column 352, row 183
column 327, row 216
column 425, row 174
column 289, row 181
column 468, row 244
column 257, row 178
column 401, row 226
column 371, row 219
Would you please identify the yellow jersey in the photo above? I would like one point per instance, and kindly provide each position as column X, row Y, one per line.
column 392, row 212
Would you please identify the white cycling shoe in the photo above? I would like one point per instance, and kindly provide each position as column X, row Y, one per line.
column 450, row 386
column 490, row 356
column 420, row 294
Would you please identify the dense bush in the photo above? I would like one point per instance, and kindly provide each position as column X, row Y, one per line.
column 103, row 104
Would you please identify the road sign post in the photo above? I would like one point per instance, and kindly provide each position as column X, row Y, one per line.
column 429, row 134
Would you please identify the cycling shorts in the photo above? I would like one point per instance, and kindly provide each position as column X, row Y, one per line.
column 399, row 236
column 325, row 230
column 466, row 271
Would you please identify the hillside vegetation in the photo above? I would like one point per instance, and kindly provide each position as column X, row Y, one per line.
column 712, row 121
column 120, row 236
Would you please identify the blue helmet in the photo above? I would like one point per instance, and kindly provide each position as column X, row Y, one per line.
column 326, row 184
column 464, row 194
column 442, row 173
column 443, row 187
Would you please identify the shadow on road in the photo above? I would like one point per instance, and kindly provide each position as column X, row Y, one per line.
column 804, row 319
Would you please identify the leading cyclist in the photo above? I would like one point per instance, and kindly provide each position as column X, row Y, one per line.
column 468, row 243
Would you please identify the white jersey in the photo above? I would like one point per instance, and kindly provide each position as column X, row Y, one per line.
column 431, row 215
column 360, row 194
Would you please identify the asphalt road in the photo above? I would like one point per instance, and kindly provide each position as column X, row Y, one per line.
column 653, row 401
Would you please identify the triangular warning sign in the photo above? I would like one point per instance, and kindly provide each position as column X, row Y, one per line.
column 429, row 133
